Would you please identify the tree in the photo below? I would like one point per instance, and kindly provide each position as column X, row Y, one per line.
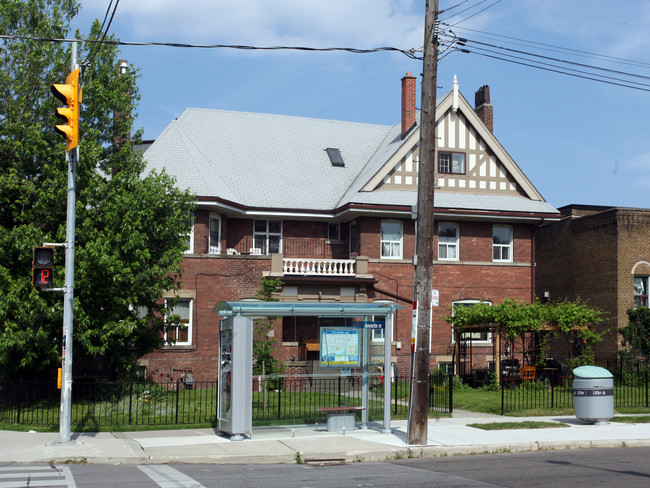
column 264, row 345
column 130, row 224
column 636, row 335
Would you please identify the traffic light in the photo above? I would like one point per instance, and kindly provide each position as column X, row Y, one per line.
column 70, row 94
column 43, row 267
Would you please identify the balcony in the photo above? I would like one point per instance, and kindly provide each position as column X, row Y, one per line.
column 296, row 256
column 291, row 247
column 348, row 268
column 318, row 267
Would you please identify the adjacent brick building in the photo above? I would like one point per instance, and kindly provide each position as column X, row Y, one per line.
column 601, row 255
column 326, row 207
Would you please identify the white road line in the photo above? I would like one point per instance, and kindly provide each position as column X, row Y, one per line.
column 41, row 476
column 168, row 477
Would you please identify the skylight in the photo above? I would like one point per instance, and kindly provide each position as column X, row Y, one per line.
column 335, row 156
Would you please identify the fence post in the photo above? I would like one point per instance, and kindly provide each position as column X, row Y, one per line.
column 503, row 396
column 280, row 385
column 20, row 391
column 451, row 393
column 130, row 401
column 646, row 385
column 340, row 388
column 552, row 395
column 178, row 389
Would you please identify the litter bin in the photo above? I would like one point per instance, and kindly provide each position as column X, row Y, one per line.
column 593, row 394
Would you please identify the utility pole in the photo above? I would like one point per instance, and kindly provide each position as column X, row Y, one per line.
column 419, row 398
column 72, row 157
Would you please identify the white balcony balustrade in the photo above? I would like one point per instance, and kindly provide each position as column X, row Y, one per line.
column 318, row 267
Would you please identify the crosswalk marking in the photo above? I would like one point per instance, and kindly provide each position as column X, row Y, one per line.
column 41, row 476
column 168, row 477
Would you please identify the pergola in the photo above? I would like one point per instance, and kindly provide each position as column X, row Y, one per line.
column 497, row 330
column 237, row 317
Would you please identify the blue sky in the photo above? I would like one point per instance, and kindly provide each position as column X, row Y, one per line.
column 578, row 141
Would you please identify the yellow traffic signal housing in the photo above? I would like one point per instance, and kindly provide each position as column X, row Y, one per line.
column 70, row 94
column 43, row 267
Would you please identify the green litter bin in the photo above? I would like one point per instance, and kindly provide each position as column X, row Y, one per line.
column 593, row 394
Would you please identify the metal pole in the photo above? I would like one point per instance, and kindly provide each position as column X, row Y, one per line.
column 388, row 336
column 365, row 387
column 68, row 295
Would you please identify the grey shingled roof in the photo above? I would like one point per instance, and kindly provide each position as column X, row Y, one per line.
column 280, row 162
column 261, row 160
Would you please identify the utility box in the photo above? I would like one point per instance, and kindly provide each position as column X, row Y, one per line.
column 593, row 394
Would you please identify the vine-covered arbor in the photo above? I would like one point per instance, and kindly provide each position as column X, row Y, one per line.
column 531, row 327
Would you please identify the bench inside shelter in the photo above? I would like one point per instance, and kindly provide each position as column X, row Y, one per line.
column 340, row 417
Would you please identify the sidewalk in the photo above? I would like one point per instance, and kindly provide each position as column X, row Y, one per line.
column 311, row 444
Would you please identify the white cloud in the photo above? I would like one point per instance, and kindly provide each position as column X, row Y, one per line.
column 355, row 23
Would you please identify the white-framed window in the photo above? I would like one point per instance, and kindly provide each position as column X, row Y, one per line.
column 478, row 338
column 333, row 231
column 502, row 243
column 378, row 335
column 353, row 239
column 641, row 291
column 178, row 323
column 267, row 237
column 452, row 163
column 214, row 234
column 448, row 238
column 391, row 239
column 189, row 248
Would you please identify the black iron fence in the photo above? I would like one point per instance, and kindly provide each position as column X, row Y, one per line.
column 287, row 399
column 543, row 392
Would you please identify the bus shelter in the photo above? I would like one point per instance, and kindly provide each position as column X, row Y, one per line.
column 236, row 351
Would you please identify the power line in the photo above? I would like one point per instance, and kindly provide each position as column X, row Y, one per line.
column 95, row 47
column 560, row 71
column 554, row 48
column 463, row 41
column 474, row 14
column 411, row 53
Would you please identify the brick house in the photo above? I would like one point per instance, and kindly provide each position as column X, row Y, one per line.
column 326, row 206
column 600, row 254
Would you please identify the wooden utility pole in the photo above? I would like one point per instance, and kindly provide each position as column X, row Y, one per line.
column 419, row 398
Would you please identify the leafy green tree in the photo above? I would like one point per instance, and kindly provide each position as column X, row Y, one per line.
column 129, row 223
column 264, row 344
column 636, row 335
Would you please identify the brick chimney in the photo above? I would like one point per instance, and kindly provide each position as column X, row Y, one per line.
column 483, row 107
column 408, row 103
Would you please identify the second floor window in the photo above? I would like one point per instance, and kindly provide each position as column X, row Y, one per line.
column 453, row 163
column 189, row 249
column 641, row 291
column 353, row 239
column 502, row 243
column 267, row 236
column 215, row 234
column 391, row 239
column 334, row 231
column 448, row 241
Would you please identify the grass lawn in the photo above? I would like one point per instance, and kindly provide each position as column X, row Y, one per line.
column 640, row 419
column 527, row 424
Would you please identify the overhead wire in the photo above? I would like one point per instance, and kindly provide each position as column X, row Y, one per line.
column 552, row 47
column 474, row 14
column 95, row 47
column 411, row 53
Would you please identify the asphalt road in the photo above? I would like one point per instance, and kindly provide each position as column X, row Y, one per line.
column 626, row 467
